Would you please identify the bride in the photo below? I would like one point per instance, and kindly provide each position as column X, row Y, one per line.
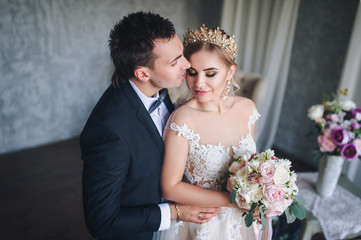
column 201, row 138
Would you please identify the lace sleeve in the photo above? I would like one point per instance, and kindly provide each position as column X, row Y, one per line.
column 185, row 132
column 253, row 118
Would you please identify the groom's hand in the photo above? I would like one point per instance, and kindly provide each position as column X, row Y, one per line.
column 256, row 215
column 194, row 214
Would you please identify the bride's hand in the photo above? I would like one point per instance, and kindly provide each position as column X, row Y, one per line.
column 194, row 214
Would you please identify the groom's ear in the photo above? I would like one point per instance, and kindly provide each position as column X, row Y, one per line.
column 142, row 73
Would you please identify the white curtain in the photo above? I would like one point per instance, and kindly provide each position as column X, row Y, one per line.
column 351, row 79
column 264, row 31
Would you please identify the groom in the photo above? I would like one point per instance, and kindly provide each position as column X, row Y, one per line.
column 121, row 143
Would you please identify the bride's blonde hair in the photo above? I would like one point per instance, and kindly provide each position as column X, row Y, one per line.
column 190, row 49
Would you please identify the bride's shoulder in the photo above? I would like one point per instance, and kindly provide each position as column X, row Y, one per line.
column 182, row 115
column 245, row 104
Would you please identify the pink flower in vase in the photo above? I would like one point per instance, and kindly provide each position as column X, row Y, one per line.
column 355, row 125
column 326, row 144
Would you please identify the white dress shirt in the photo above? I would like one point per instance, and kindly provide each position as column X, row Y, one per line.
column 159, row 117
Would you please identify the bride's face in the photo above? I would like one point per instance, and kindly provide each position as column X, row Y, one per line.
column 207, row 76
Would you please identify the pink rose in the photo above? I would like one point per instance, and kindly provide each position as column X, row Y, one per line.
column 357, row 143
column 326, row 144
column 277, row 211
column 267, row 170
column 271, row 212
column 327, row 133
column 274, row 195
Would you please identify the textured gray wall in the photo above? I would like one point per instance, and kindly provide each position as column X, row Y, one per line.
column 321, row 39
column 54, row 61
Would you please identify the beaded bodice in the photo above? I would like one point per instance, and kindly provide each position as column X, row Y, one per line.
column 207, row 164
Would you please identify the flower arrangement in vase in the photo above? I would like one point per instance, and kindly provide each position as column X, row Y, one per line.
column 338, row 126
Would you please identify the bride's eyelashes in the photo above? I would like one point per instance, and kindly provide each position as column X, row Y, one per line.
column 192, row 73
column 211, row 74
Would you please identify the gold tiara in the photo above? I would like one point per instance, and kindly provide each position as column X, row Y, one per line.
column 216, row 36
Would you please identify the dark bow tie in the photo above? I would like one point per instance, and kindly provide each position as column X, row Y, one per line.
column 159, row 101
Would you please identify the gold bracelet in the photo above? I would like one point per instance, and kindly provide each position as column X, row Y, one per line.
column 178, row 213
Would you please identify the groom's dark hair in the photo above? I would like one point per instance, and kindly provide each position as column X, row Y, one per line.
column 131, row 43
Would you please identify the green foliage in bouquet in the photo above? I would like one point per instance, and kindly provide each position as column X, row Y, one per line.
column 295, row 210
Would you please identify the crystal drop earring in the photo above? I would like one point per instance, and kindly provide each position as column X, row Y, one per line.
column 226, row 90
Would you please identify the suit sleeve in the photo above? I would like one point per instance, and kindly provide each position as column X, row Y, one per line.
column 106, row 162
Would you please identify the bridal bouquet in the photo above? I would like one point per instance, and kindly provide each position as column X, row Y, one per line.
column 265, row 182
column 338, row 126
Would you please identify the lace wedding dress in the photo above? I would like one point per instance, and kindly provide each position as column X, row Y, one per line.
column 207, row 166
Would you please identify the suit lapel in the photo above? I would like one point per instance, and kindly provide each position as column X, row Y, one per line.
column 142, row 114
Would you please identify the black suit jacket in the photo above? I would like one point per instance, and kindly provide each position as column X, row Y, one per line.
column 122, row 153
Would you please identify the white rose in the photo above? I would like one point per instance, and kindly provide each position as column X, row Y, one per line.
column 249, row 187
column 347, row 105
column 283, row 163
column 256, row 195
column 281, row 176
column 236, row 166
column 247, row 191
column 254, row 164
column 242, row 192
column 241, row 201
column 315, row 112
column 241, row 175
